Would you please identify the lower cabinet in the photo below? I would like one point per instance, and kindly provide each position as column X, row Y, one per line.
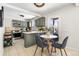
column 29, row 40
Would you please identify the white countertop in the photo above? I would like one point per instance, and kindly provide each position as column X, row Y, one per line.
column 30, row 32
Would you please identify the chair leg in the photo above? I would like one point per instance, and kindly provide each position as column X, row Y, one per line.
column 61, row 52
column 48, row 49
column 65, row 52
column 54, row 49
column 35, row 50
column 41, row 51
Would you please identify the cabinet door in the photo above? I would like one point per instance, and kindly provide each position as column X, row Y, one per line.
column 37, row 22
column 43, row 22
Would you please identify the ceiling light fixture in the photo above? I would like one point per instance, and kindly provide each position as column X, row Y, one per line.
column 39, row 4
column 21, row 15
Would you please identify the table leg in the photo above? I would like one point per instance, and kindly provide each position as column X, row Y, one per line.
column 49, row 47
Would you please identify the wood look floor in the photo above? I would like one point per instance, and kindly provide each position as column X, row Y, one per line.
column 18, row 49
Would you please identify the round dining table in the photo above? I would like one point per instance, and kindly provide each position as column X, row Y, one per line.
column 48, row 38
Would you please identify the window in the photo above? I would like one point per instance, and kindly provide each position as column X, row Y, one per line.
column 55, row 24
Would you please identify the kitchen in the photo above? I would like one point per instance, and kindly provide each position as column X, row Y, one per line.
column 27, row 31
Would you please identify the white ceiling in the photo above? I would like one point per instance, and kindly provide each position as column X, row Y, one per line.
column 48, row 8
column 15, row 13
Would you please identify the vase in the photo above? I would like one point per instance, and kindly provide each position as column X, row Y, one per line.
column 48, row 33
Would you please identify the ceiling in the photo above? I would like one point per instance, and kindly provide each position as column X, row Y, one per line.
column 46, row 9
column 9, row 12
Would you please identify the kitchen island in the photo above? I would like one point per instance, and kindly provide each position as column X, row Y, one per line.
column 29, row 38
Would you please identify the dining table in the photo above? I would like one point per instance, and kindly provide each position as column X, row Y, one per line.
column 48, row 37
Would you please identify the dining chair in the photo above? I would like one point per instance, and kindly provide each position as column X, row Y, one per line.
column 61, row 46
column 55, row 39
column 40, row 43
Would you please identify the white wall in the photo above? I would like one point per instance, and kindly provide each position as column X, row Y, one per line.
column 9, row 16
column 69, row 24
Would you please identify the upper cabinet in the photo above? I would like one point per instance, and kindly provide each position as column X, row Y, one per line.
column 40, row 22
column 16, row 23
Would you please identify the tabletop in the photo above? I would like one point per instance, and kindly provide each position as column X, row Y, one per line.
column 48, row 36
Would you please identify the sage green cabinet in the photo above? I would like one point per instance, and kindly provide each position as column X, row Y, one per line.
column 29, row 40
column 40, row 22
